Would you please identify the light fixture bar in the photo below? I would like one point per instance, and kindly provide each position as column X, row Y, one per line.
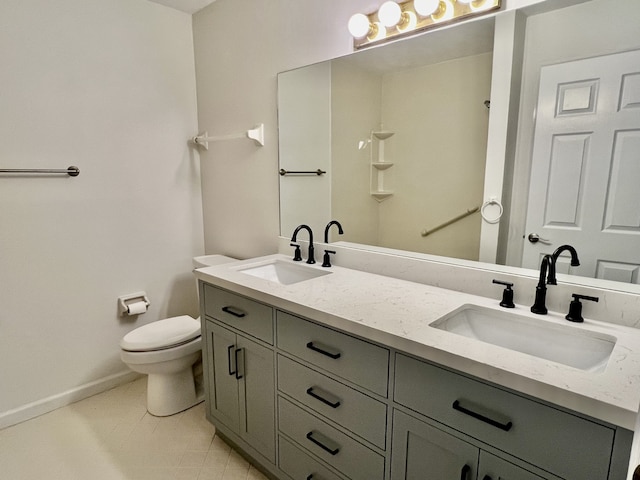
column 395, row 19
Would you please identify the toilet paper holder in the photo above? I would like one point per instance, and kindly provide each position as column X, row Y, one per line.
column 129, row 304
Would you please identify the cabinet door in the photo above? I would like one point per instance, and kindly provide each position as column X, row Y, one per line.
column 257, row 396
column 224, row 404
column 423, row 452
column 494, row 468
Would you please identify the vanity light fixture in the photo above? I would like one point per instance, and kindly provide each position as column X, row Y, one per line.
column 395, row 19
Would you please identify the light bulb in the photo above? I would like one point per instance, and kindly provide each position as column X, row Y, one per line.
column 359, row 25
column 389, row 14
column 479, row 5
column 424, row 8
column 445, row 13
column 408, row 23
column 378, row 32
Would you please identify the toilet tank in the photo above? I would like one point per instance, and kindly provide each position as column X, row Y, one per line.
column 211, row 260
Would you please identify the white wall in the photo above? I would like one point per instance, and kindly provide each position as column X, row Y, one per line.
column 440, row 122
column 305, row 145
column 439, row 155
column 355, row 112
column 108, row 86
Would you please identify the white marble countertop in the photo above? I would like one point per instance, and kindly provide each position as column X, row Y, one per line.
column 397, row 313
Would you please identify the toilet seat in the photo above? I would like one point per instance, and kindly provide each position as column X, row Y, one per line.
column 163, row 334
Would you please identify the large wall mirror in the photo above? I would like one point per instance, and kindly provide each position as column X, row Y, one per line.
column 395, row 140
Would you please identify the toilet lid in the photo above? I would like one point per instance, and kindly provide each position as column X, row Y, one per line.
column 162, row 334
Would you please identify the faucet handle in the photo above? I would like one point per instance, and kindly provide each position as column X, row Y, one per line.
column 297, row 255
column 326, row 262
column 507, row 294
column 575, row 307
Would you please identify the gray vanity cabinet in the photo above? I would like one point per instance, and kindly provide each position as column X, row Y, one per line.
column 240, row 368
column 309, row 402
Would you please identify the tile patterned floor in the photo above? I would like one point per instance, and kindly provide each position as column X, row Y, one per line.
column 112, row 437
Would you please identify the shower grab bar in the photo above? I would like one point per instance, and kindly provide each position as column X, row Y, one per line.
column 71, row 171
column 471, row 211
column 317, row 172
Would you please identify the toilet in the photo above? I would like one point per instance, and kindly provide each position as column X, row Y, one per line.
column 169, row 352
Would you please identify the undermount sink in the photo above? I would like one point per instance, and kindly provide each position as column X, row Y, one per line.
column 282, row 272
column 569, row 345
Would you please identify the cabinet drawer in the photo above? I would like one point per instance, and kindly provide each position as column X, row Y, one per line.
column 239, row 312
column 327, row 443
column 300, row 466
column 347, row 407
column 562, row 443
column 360, row 362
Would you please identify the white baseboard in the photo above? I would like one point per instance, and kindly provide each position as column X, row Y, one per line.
column 35, row 409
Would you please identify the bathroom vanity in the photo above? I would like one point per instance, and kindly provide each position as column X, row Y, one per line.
column 336, row 373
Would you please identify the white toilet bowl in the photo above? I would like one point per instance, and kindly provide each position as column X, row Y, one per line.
column 166, row 351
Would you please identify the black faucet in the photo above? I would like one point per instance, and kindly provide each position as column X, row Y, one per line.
column 549, row 263
column 551, row 280
column 539, row 305
column 326, row 229
column 311, row 256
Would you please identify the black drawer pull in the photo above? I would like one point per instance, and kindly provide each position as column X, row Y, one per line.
column 324, row 351
column 229, row 348
column 464, row 474
column 236, row 312
column 332, row 451
column 317, row 396
column 238, row 374
column 487, row 477
column 502, row 426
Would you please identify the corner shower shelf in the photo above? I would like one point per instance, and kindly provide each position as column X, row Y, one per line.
column 378, row 167
column 380, row 196
column 382, row 165
column 382, row 135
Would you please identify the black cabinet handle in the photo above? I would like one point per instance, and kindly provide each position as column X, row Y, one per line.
column 236, row 312
column 324, row 351
column 238, row 374
column 332, row 451
column 502, row 426
column 486, row 477
column 464, row 474
column 229, row 348
column 317, row 396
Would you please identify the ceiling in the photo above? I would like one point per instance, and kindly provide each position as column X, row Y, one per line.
column 188, row 6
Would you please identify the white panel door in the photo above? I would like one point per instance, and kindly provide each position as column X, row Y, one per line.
column 585, row 174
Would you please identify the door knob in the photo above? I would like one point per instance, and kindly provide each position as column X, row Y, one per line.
column 535, row 238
